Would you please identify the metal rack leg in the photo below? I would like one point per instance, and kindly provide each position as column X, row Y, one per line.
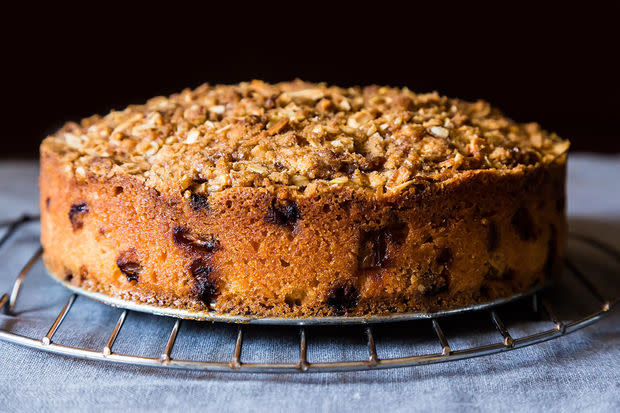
column 303, row 348
column 63, row 313
column 107, row 350
column 445, row 347
column 165, row 357
column 508, row 340
column 3, row 301
column 535, row 303
column 373, row 359
column 236, row 361
column 17, row 285
column 559, row 325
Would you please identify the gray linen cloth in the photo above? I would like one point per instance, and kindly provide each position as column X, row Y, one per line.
column 578, row 372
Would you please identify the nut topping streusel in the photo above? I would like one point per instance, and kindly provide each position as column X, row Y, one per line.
column 297, row 134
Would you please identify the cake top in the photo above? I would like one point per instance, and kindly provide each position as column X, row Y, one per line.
column 299, row 135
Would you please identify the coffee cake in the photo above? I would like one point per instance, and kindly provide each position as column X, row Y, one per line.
column 302, row 199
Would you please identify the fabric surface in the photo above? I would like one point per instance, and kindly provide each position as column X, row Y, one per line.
column 578, row 372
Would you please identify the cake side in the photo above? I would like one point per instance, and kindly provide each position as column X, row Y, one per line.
column 327, row 250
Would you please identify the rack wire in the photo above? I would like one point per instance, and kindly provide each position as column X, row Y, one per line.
column 539, row 302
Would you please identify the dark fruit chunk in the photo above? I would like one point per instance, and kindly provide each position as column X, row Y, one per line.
column 195, row 243
column 552, row 252
column 397, row 233
column 373, row 249
column 445, row 257
column 199, row 201
column 128, row 265
column 283, row 212
column 76, row 215
column 524, row 225
column 347, row 167
column 205, row 285
column 492, row 237
column 373, row 164
column 47, row 202
column 343, row 298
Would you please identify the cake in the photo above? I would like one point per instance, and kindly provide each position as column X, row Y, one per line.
column 299, row 199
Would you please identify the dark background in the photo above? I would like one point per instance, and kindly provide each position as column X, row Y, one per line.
column 555, row 65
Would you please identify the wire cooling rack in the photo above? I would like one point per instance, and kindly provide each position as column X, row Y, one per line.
column 533, row 307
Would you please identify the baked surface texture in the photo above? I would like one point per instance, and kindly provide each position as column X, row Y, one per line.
column 301, row 199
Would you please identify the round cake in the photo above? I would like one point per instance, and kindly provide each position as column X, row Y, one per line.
column 299, row 199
